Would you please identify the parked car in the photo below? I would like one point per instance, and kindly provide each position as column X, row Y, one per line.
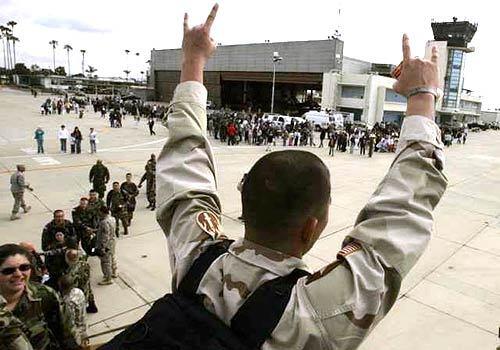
column 281, row 120
column 322, row 120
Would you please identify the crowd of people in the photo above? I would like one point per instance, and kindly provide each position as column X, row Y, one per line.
column 253, row 129
column 58, row 276
column 234, row 128
column 113, row 107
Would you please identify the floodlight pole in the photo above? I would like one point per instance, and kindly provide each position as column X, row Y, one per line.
column 276, row 58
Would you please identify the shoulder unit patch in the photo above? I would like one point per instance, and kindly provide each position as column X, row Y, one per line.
column 209, row 223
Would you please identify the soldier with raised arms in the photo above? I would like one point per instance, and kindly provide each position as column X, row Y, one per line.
column 286, row 202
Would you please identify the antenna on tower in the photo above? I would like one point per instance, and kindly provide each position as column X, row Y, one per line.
column 338, row 26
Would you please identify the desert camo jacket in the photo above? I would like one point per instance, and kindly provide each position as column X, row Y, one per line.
column 337, row 306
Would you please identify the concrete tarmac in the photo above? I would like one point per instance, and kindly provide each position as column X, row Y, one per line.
column 450, row 300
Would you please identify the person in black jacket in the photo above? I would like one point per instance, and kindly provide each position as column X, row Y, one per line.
column 54, row 236
column 77, row 137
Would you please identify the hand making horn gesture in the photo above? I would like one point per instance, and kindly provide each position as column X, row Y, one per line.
column 415, row 73
column 197, row 47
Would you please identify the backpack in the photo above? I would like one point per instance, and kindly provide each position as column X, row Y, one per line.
column 179, row 320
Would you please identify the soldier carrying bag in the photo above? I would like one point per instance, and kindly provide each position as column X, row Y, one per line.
column 180, row 321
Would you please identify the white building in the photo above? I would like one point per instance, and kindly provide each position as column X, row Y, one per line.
column 369, row 97
column 490, row 116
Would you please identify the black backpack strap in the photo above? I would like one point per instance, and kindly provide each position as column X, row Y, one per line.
column 256, row 319
column 190, row 282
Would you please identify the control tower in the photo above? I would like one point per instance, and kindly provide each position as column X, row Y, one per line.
column 453, row 39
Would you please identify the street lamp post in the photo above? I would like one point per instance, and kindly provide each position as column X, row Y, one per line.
column 83, row 61
column 276, row 58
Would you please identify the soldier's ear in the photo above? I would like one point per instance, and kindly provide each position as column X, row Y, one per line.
column 308, row 231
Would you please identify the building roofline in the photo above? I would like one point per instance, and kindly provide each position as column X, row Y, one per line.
column 263, row 43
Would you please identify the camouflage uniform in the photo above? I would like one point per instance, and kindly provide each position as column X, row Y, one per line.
column 80, row 274
column 99, row 177
column 85, row 223
column 54, row 261
column 94, row 207
column 129, row 191
column 106, row 247
column 75, row 304
column 17, row 187
column 45, row 321
column 150, row 178
column 12, row 336
column 117, row 205
column 336, row 307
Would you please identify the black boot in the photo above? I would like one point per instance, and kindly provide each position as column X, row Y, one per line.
column 92, row 308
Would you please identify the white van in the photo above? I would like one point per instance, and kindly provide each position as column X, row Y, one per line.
column 281, row 120
column 323, row 120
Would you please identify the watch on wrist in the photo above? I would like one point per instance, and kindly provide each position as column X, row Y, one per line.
column 437, row 93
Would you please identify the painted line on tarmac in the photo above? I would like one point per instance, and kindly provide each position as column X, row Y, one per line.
column 111, row 149
column 133, row 146
column 74, row 166
column 46, row 160
column 29, row 150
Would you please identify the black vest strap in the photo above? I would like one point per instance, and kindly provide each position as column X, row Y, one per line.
column 256, row 319
column 259, row 315
column 190, row 282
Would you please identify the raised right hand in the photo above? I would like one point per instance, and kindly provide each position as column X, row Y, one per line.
column 416, row 72
column 197, row 47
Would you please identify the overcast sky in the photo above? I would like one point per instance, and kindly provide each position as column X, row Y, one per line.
column 371, row 30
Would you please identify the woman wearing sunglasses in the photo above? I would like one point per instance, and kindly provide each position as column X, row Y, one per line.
column 32, row 310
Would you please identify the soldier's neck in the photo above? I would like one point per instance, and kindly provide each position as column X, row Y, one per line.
column 12, row 299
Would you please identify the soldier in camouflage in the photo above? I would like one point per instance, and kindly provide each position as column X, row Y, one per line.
column 117, row 204
column 44, row 321
column 150, row 178
column 12, row 335
column 95, row 204
column 129, row 191
column 79, row 271
column 85, row 223
column 17, row 186
column 54, row 237
column 99, row 177
column 74, row 301
column 106, row 247
column 286, row 204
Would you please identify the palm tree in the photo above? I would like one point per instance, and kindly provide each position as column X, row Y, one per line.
column 83, row 61
column 53, row 43
column 91, row 70
column 11, row 24
column 9, row 53
column 14, row 39
column 2, row 36
column 127, row 72
column 126, row 60
column 68, row 48
column 6, row 48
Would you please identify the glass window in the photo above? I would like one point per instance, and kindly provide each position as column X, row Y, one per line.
column 392, row 96
column 351, row 91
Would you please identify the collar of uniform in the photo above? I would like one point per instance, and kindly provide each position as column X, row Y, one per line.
column 30, row 294
column 269, row 259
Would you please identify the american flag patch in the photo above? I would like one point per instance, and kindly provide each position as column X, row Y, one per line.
column 348, row 249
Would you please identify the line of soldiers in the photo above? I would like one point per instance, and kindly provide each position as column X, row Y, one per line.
column 121, row 199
